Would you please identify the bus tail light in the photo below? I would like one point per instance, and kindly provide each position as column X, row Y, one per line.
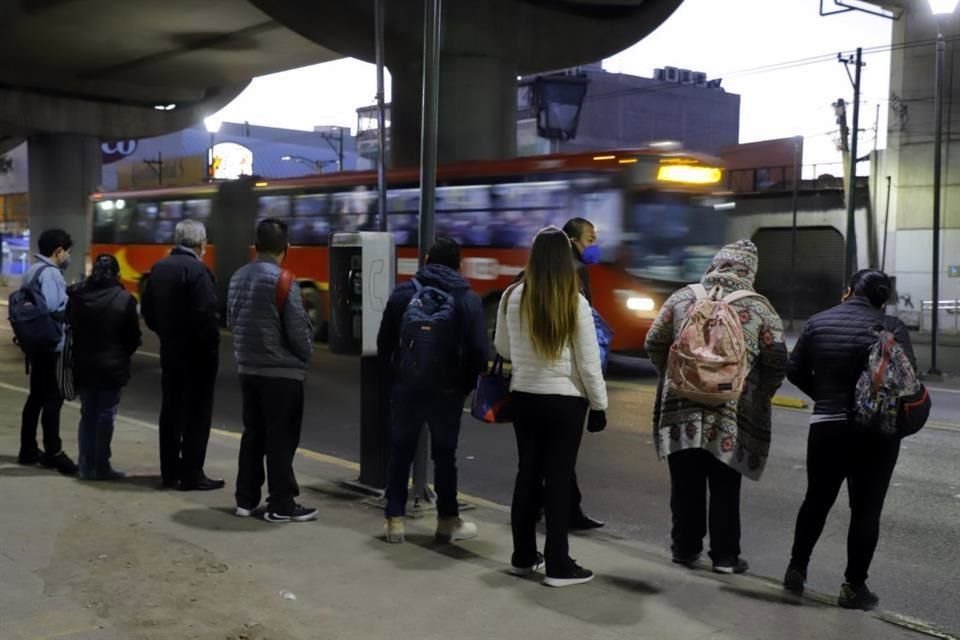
column 641, row 303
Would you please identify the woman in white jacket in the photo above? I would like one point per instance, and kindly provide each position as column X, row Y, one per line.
column 545, row 328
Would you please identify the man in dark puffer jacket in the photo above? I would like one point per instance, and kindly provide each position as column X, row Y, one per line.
column 825, row 364
column 106, row 332
column 272, row 346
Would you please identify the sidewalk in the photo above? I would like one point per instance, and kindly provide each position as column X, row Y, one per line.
column 104, row 561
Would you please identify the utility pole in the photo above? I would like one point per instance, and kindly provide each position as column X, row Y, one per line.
column 378, row 22
column 851, row 254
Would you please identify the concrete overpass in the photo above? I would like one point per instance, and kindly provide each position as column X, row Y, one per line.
column 73, row 72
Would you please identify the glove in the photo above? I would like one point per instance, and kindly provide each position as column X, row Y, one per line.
column 596, row 421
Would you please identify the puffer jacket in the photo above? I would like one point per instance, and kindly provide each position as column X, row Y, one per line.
column 106, row 332
column 266, row 341
column 832, row 352
column 471, row 354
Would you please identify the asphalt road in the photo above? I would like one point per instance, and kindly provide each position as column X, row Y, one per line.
column 917, row 567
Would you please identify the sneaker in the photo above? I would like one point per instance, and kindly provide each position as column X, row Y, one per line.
column 393, row 530
column 737, row 566
column 29, row 458
column 794, row 580
column 576, row 575
column 61, row 462
column 300, row 513
column 861, row 597
column 242, row 512
column 526, row 571
column 455, row 528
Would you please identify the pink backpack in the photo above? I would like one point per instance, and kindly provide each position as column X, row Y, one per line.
column 708, row 358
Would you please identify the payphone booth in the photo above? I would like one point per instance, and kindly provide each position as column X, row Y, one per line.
column 363, row 272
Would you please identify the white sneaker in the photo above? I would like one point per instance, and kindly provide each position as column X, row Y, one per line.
column 453, row 529
column 393, row 530
column 526, row 571
column 240, row 512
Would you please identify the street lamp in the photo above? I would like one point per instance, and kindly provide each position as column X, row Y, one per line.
column 316, row 165
column 938, row 7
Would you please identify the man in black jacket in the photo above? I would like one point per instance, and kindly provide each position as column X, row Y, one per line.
column 180, row 305
column 441, row 408
column 106, row 332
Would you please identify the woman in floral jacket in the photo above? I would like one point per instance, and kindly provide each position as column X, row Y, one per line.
column 717, row 445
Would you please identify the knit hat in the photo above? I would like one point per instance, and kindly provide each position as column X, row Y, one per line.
column 734, row 267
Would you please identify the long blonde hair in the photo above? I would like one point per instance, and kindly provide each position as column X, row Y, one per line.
column 550, row 294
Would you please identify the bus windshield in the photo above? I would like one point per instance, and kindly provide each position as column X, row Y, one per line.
column 671, row 237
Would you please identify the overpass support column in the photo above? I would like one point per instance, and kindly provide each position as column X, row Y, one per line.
column 64, row 169
column 478, row 110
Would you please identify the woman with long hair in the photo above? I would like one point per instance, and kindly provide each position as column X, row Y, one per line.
column 825, row 364
column 545, row 328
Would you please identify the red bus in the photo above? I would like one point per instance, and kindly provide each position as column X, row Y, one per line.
column 659, row 218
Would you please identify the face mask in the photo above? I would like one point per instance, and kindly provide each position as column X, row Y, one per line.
column 65, row 263
column 591, row 255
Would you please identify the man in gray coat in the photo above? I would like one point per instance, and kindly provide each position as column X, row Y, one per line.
column 272, row 342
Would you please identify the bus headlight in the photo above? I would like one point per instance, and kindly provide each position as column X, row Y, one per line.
column 641, row 303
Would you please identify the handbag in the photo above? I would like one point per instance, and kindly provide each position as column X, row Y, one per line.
column 912, row 412
column 604, row 338
column 491, row 400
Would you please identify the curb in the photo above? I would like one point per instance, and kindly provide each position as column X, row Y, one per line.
column 790, row 402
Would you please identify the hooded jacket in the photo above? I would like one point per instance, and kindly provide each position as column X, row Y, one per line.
column 737, row 433
column 469, row 316
column 106, row 332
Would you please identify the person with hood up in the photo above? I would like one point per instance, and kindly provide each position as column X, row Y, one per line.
column 717, row 446
column 103, row 321
column 439, row 404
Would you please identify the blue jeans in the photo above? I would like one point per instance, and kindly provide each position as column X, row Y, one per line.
column 98, row 408
column 441, row 411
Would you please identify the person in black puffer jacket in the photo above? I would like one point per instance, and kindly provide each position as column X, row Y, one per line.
column 826, row 362
column 106, row 332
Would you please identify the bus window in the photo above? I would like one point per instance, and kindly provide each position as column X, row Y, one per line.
column 104, row 222
column 604, row 208
column 354, row 210
column 403, row 216
column 671, row 237
column 197, row 210
column 310, row 224
column 146, row 230
column 273, row 207
column 520, row 210
column 464, row 214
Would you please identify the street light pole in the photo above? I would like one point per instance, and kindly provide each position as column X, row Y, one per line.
column 428, row 135
column 937, row 168
column 378, row 20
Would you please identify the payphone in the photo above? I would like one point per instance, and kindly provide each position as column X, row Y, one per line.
column 363, row 272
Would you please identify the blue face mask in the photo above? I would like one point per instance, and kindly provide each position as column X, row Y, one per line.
column 591, row 255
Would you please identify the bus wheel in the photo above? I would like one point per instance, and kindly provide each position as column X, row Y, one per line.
column 491, row 304
column 313, row 304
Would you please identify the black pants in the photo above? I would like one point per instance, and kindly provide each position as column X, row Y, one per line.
column 272, row 417
column 691, row 472
column 409, row 411
column 835, row 452
column 44, row 398
column 548, row 430
column 187, row 385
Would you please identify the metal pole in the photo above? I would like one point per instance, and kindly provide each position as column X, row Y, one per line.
column 937, row 134
column 851, row 220
column 340, row 150
column 793, row 233
column 160, row 171
column 428, row 134
column 886, row 227
column 378, row 19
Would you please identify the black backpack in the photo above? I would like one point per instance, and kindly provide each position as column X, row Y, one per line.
column 36, row 329
column 424, row 358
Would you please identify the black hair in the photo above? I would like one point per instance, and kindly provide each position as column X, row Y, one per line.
column 272, row 236
column 872, row 284
column 446, row 252
column 105, row 270
column 53, row 239
column 575, row 227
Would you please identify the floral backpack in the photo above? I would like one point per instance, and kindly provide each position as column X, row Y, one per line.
column 889, row 399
